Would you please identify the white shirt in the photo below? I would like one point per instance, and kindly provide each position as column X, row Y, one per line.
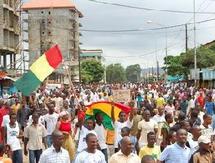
column 82, row 138
column 86, row 157
column 101, row 133
column 145, row 128
column 194, row 145
column 159, row 119
column 51, row 121
column 5, row 121
column 12, row 139
column 118, row 126
column 51, row 156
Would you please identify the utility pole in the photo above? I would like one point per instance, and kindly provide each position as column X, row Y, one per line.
column 194, row 33
column 158, row 70
column 186, row 38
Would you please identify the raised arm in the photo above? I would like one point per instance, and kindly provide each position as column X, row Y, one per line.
column 112, row 112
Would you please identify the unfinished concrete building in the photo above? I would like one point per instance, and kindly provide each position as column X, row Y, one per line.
column 9, row 33
column 54, row 22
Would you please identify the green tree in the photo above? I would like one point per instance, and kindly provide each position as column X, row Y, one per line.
column 133, row 73
column 91, row 71
column 180, row 65
column 115, row 73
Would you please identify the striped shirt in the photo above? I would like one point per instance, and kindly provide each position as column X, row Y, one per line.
column 51, row 156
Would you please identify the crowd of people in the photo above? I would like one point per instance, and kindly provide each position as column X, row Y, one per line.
column 167, row 123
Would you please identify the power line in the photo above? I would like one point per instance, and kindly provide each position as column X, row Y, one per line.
column 149, row 9
column 142, row 30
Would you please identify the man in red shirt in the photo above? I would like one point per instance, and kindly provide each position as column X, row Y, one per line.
column 201, row 100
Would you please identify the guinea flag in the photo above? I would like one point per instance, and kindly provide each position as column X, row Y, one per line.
column 39, row 71
column 105, row 108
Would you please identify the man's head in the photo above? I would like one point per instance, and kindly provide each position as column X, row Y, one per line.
column 196, row 131
column 57, row 138
column 146, row 115
column 151, row 139
column 126, row 145
column 12, row 118
column 181, row 136
column 92, row 141
column 181, row 116
column 160, row 110
column 125, row 131
column 122, row 116
column 51, row 107
column 185, row 125
column 65, row 104
column 35, row 118
column 204, row 143
column 90, row 123
column 147, row 159
column 169, row 118
column 99, row 118
column 207, row 119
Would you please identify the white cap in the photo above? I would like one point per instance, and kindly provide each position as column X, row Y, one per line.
column 204, row 139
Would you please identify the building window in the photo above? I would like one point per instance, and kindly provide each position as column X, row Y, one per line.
column 42, row 12
column 49, row 12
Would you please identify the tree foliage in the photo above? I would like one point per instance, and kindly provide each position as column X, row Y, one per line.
column 115, row 73
column 133, row 73
column 180, row 65
column 91, row 71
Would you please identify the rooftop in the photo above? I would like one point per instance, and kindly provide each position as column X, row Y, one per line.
column 40, row 4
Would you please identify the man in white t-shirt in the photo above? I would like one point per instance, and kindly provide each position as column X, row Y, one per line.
column 101, row 133
column 144, row 127
column 50, row 120
column 84, row 130
column 119, row 124
column 12, row 135
column 91, row 154
column 193, row 142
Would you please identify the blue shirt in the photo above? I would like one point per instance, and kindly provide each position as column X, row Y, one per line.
column 175, row 154
column 209, row 107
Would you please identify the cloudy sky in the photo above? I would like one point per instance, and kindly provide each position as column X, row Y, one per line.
column 142, row 47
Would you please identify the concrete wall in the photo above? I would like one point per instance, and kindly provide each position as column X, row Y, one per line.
column 53, row 26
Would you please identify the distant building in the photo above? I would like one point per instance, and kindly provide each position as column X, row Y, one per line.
column 95, row 54
column 52, row 22
column 9, row 33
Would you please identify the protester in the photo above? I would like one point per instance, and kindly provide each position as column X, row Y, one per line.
column 150, row 149
column 177, row 152
column 50, row 122
column 125, row 131
column 55, row 153
column 204, row 153
column 34, row 138
column 148, row 159
column 64, row 125
column 12, row 135
column 119, row 124
column 2, row 152
column 125, row 154
column 85, row 129
column 91, row 154
column 145, row 126
column 101, row 133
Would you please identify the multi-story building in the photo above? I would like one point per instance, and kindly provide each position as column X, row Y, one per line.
column 94, row 54
column 52, row 22
column 9, row 32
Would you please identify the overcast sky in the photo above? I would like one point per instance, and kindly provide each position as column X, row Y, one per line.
column 141, row 47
